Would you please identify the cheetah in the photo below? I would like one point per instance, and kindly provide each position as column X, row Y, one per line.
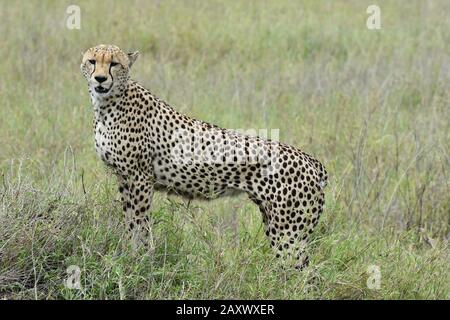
column 150, row 146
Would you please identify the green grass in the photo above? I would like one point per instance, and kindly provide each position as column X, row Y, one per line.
column 373, row 106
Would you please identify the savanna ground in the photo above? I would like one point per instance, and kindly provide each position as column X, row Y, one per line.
column 373, row 106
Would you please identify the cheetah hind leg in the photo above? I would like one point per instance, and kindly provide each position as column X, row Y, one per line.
column 301, row 224
column 289, row 240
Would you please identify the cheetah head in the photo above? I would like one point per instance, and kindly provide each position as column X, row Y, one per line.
column 106, row 68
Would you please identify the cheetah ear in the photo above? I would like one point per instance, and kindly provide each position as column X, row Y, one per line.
column 132, row 56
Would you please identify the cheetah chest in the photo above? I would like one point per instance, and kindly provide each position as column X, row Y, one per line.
column 117, row 146
column 104, row 143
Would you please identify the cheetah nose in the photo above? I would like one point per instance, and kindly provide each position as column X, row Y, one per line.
column 100, row 79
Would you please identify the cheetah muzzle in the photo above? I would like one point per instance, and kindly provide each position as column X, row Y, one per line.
column 150, row 146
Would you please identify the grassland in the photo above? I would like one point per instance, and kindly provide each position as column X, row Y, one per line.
column 372, row 105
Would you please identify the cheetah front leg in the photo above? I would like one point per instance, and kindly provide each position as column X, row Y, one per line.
column 137, row 193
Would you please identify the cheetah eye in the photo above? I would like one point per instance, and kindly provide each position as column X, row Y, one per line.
column 113, row 64
column 91, row 61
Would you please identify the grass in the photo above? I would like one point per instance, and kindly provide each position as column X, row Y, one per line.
column 372, row 105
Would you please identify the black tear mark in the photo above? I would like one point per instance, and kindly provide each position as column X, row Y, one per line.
column 112, row 78
column 95, row 64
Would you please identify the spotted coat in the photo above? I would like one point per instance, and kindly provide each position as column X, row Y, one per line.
column 151, row 146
